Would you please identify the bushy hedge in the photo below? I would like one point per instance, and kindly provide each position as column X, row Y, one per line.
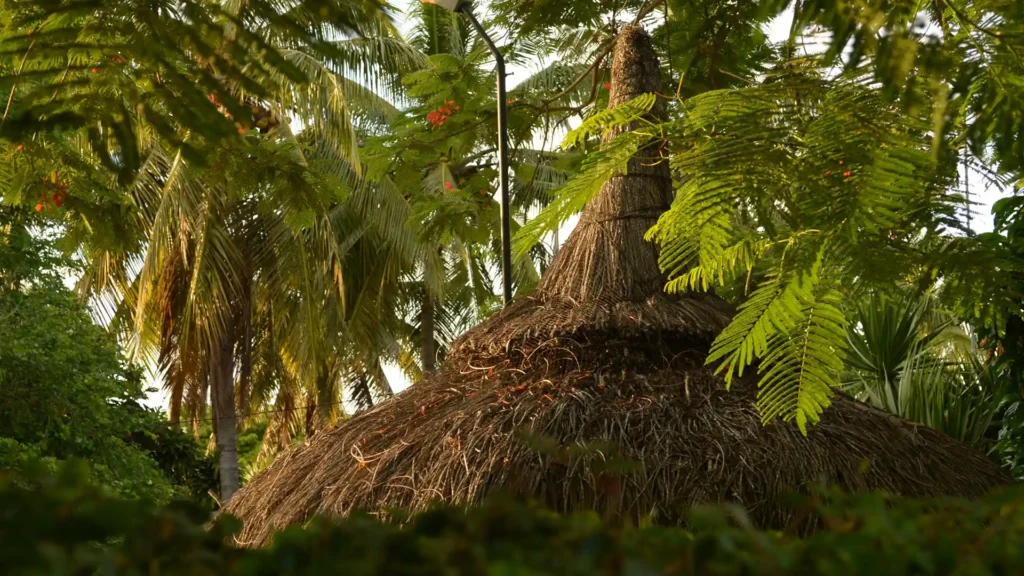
column 65, row 526
column 66, row 389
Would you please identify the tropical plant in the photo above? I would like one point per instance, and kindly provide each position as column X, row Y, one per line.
column 114, row 70
column 966, row 54
column 216, row 238
column 913, row 359
column 1001, row 329
column 64, row 526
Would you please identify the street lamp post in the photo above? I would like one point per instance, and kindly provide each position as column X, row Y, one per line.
column 466, row 7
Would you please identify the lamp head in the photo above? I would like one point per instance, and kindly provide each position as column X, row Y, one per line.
column 451, row 5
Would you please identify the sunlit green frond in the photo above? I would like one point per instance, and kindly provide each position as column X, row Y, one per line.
column 604, row 121
column 803, row 367
column 597, row 169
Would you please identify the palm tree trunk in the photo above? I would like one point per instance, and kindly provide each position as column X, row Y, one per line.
column 245, row 374
column 177, row 385
column 427, row 352
column 223, row 391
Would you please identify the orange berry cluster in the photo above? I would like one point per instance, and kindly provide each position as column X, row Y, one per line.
column 846, row 173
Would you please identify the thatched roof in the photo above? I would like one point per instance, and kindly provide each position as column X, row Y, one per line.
column 600, row 356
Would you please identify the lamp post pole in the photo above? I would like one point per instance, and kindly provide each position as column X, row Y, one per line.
column 466, row 7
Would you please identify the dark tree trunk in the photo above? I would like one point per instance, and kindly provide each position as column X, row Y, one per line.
column 427, row 351
column 222, row 389
column 176, row 380
column 169, row 298
column 311, row 418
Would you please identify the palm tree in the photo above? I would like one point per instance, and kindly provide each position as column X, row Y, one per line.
column 215, row 255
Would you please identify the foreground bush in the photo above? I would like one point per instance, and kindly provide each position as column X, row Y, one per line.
column 65, row 526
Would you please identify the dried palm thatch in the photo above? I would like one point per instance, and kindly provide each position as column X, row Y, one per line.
column 599, row 357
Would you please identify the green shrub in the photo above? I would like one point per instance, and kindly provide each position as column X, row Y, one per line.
column 66, row 526
column 66, row 389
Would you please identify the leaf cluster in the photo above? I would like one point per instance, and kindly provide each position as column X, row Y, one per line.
column 67, row 392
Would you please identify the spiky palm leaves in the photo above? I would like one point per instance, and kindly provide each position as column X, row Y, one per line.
column 266, row 263
column 909, row 357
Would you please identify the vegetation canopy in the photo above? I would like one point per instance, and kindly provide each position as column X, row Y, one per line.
column 601, row 356
column 281, row 212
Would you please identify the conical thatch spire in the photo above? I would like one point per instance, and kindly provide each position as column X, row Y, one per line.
column 605, row 284
column 606, row 257
column 600, row 355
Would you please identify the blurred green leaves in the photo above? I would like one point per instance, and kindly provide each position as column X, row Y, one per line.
column 65, row 527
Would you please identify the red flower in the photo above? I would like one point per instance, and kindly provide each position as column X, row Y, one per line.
column 20, row 146
column 607, row 85
column 448, row 186
column 39, row 207
column 95, row 70
column 847, row 174
column 437, row 117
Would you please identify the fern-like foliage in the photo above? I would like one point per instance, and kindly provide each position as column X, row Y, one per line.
column 972, row 49
column 837, row 180
column 186, row 70
column 802, row 365
column 597, row 168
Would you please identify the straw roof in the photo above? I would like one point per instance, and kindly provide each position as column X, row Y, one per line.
column 600, row 367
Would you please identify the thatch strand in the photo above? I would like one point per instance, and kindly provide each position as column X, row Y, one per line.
column 599, row 368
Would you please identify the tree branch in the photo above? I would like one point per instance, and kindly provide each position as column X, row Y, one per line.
column 545, row 106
